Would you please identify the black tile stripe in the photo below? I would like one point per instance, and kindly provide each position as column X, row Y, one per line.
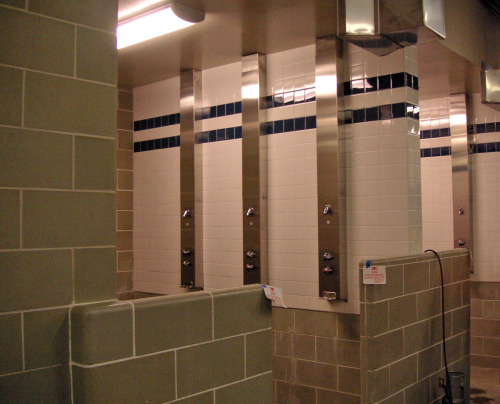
column 157, row 122
column 483, row 128
column 435, row 151
column 382, row 112
column 491, row 147
column 156, row 144
column 385, row 82
column 434, row 133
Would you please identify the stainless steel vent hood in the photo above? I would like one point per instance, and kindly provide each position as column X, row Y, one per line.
column 490, row 88
column 383, row 26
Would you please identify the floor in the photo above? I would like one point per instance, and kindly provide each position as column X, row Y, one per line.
column 485, row 385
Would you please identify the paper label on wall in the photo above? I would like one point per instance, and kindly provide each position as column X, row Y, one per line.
column 374, row 275
column 274, row 294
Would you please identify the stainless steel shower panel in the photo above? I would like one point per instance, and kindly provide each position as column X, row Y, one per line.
column 331, row 170
column 253, row 94
column 462, row 210
column 189, row 125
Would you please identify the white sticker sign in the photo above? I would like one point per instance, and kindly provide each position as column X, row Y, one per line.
column 274, row 294
column 374, row 275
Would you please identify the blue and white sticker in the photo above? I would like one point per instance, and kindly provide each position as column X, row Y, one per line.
column 374, row 275
column 274, row 294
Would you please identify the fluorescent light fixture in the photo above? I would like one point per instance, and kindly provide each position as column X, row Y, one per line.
column 156, row 22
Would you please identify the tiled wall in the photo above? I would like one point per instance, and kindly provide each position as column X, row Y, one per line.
column 485, row 324
column 57, row 184
column 124, row 189
column 401, row 332
column 383, row 173
column 197, row 348
column 316, row 357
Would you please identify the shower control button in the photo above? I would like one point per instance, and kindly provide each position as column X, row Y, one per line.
column 250, row 267
column 460, row 211
column 327, row 209
column 250, row 254
column 186, row 263
column 328, row 270
column 250, row 212
column 186, row 213
column 186, row 251
column 327, row 256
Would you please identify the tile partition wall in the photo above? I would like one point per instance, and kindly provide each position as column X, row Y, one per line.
column 203, row 348
column 57, row 185
column 384, row 183
column 124, row 200
column 401, row 339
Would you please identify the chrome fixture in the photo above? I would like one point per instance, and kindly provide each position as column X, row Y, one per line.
column 187, row 285
column 490, row 87
column 250, row 254
column 383, row 26
column 331, row 167
column 327, row 256
column 250, row 212
column 329, row 296
column 190, row 102
column 462, row 219
column 186, row 251
column 254, row 161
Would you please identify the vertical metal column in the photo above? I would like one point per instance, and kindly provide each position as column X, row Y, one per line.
column 253, row 116
column 462, row 210
column 331, row 170
column 190, row 103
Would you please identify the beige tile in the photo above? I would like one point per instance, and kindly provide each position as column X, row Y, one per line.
column 49, row 385
column 377, row 384
column 292, row 393
column 46, row 338
column 348, row 326
column 101, row 333
column 436, row 325
column 429, row 361
column 247, row 391
column 419, row 392
column 384, row 349
column 125, row 120
column 393, row 287
column 125, row 179
column 125, row 99
column 100, row 15
column 148, row 379
column 35, row 159
column 171, row 322
column 403, row 373
column 283, row 319
column 461, row 321
column 10, row 220
column 483, row 361
column 460, row 270
column 317, row 374
column 484, row 327
column 402, row 311
column 124, row 240
column 124, row 160
column 95, row 278
column 491, row 346
column 416, row 337
column 94, row 163
column 476, row 345
column 436, row 392
column 14, row 3
column 349, row 380
column 456, row 347
column 125, row 260
column 11, row 348
column 465, row 293
column 347, row 353
column 416, row 277
column 258, row 352
column 240, row 310
column 96, row 55
column 484, row 290
column 329, row 396
column 53, row 41
column 124, row 281
column 452, row 296
column 195, row 365
column 125, row 140
column 29, row 279
column 11, row 88
column 395, row 399
column 491, row 310
column 377, row 318
column 284, row 343
column 325, row 350
column 64, row 219
column 66, row 107
column 124, row 200
column 319, row 323
column 203, row 398
column 124, row 220
column 304, row 347
column 476, row 308
column 282, row 368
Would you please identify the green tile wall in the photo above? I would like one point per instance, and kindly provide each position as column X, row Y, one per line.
column 57, row 187
column 401, row 333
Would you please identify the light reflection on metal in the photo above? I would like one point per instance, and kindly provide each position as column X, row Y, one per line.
column 462, row 212
column 490, row 88
column 331, row 169
column 190, row 101
column 254, row 169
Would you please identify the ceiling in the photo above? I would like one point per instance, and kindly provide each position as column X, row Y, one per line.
column 233, row 28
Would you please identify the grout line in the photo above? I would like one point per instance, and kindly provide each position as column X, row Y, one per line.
column 55, row 248
column 23, row 351
column 24, row 372
column 60, row 132
column 73, row 275
column 62, row 76
column 73, row 161
column 175, row 374
column 69, row 305
column 88, row 191
column 70, row 356
column 75, row 47
column 244, row 356
column 213, row 315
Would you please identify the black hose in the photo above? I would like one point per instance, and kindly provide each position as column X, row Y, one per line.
column 447, row 387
